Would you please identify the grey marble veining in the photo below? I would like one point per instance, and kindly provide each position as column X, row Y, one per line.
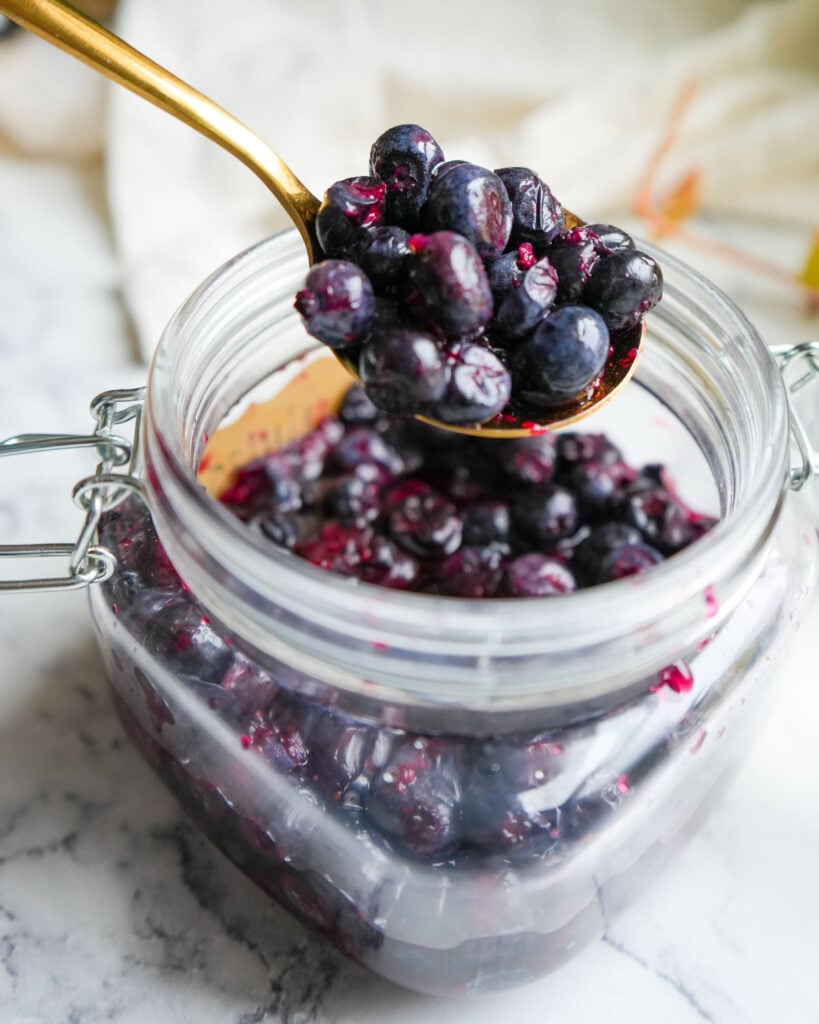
column 113, row 908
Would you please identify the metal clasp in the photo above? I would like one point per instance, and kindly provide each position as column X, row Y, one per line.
column 799, row 366
column 113, row 480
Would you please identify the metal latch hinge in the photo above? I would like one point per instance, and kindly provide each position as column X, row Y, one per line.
column 115, row 477
column 799, row 366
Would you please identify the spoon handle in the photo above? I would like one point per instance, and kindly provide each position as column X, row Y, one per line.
column 82, row 37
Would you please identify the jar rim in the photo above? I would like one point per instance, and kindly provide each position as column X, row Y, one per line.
column 698, row 587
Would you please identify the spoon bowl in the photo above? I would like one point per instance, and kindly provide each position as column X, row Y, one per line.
column 82, row 37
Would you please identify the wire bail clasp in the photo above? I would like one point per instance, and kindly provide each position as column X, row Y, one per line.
column 799, row 366
column 107, row 487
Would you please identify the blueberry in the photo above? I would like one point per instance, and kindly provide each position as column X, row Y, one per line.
column 472, row 572
column 573, row 254
column 403, row 370
column 385, row 258
column 537, row 215
column 567, row 351
column 181, row 636
column 451, row 282
column 528, row 460
column 249, row 685
column 600, row 542
column 478, row 385
column 507, row 805
column 351, row 208
column 364, row 446
column 623, row 287
column 574, row 448
column 609, row 238
column 658, row 516
column 278, row 739
column 338, row 751
column 357, row 409
column 473, row 202
column 507, row 271
column 337, row 303
column 538, row 575
column 352, row 498
column 628, row 560
column 404, row 158
column 600, row 485
column 525, row 306
column 486, row 522
column 545, row 514
column 415, row 800
column 426, row 525
column 360, row 552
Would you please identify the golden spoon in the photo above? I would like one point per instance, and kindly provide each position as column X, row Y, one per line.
column 83, row 38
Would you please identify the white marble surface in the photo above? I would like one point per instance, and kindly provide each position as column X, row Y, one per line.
column 112, row 908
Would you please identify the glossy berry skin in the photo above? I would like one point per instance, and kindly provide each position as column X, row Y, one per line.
column 525, row 306
column 538, row 575
column 574, row 447
column 385, row 257
column 565, row 354
column 363, row 446
column 337, row 303
column 598, row 545
column 403, row 370
column 506, row 272
column 573, row 254
column 623, row 287
column 629, row 560
column 663, row 522
column 600, row 485
column 536, row 215
column 486, row 522
column 451, row 281
column 609, row 238
column 545, row 514
column 404, row 157
column 426, row 525
column 473, row 202
column 478, row 385
column 529, row 460
column 185, row 640
column 361, row 552
column 415, row 800
column 350, row 209
column 473, row 571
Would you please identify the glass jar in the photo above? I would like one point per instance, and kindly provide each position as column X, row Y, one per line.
column 457, row 794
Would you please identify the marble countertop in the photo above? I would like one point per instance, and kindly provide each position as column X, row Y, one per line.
column 113, row 908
